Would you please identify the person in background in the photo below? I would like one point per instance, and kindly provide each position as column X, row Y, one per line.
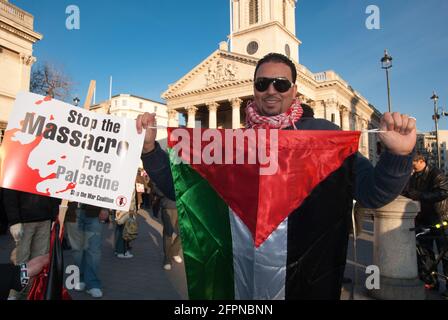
column 122, row 246
column 430, row 186
column 171, row 243
column 18, row 277
column 30, row 217
column 84, row 229
column 3, row 217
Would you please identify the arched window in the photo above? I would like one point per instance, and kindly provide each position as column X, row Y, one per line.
column 253, row 11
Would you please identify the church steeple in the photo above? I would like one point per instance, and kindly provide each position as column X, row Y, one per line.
column 263, row 26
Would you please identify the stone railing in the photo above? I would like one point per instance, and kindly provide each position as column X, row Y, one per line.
column 17, row 15
column 321, row 76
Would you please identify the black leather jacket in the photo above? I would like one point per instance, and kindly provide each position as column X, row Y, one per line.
column 430, row 187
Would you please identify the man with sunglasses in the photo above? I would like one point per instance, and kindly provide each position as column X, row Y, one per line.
column 275, row 106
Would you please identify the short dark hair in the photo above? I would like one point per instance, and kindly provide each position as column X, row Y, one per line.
column 419, row 156
column 277, row 57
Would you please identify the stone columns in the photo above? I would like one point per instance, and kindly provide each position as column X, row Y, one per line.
column 394, row 252
column 172, row 114
column 212, row 115
column 191, row 116
column 236, row 121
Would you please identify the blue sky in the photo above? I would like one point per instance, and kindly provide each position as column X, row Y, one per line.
column 147, row 44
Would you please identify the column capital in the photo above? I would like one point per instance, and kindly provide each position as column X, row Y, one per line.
column 343, row 109
column 331, row 102
column 236, row 103
column 172, row 113
column 212, row 106
column 27, row 59
column 191, row 109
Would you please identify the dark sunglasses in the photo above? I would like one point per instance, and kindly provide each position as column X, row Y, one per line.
column 280, row 84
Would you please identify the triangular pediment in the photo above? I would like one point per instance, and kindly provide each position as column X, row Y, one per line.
column 221, row 69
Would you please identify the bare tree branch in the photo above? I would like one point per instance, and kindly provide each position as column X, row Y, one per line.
column 49, row 80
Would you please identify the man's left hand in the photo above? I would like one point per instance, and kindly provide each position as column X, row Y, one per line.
column 401, row 134
column 36, row 264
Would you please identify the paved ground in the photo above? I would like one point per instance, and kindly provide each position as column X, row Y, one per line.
column 139, row 278
column 142, row 277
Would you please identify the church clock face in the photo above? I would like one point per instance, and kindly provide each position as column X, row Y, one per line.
column 287, row 50
column 252, row 47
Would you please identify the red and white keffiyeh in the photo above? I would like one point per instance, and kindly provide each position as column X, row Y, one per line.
column 287, row 119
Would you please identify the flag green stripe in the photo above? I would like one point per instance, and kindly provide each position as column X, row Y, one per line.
column 206, row 241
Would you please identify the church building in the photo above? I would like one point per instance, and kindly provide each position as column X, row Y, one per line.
column 214, row 93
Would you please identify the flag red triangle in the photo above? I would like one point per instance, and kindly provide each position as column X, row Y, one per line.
column 263, row 201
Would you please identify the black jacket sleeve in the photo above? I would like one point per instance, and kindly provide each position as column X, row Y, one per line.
column 439, row 189
column 157, row 165
column 377, row 186
column 11, row 201
column 9, row 279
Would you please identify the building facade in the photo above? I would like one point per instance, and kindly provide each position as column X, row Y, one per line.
column 426, row 144
column 215, row 92
column 130, row 106
column 17, row 37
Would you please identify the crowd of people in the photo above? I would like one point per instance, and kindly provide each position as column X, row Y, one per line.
column 29, row 218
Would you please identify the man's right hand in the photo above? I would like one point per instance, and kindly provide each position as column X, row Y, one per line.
column 143, row 122
column 16, row 231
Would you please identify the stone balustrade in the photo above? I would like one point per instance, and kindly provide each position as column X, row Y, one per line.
column 12, row 12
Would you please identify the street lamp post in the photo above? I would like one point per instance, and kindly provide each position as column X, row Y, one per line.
column 76, row 101
column 436, row 118
column 386, row 63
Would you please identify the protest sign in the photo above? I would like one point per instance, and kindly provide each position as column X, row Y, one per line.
column 55, row 149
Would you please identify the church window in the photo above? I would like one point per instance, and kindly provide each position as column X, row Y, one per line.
column 287, row 50
column 252, row 47
column 253, row 11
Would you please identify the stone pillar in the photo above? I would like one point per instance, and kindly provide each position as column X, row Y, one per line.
column 191, row 116
column 26, row 62
column 333, row 109
column 365, row 138
column 345, row 118
column 319, row 110
column 212, row 115
column 236, row 121
column 394, row 252
column 172, row 115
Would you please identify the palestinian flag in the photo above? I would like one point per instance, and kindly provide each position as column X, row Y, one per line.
column 263, row 214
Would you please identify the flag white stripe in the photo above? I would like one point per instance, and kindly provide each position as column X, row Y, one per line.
column 259, row 273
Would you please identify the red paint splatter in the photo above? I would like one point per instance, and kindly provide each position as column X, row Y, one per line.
column 63, row 157
column 47, row 98
column 14, row 156
column 70, row 186
column 51, row 117
column 51, row 162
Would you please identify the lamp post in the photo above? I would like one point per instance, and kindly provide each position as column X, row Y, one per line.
column 436, row 118
column 386, row 63
column 76, row 101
